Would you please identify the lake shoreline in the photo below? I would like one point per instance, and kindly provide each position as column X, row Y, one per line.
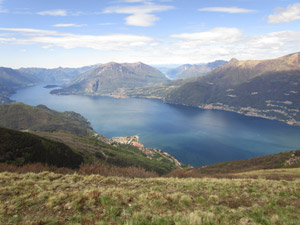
column 192, row 135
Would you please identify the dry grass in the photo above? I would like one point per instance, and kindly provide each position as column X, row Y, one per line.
column 50, row 198
column 269, row 174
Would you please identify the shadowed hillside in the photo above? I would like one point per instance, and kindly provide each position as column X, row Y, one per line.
column 21, row 148
column 19, row 116
column 11, row 80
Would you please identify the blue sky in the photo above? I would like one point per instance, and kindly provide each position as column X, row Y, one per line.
column 74, row 33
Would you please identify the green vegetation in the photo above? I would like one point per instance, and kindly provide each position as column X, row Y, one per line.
column 63, row 149
column 95, row 151
column 19, row 116
column 49, row 198
column 21, row 148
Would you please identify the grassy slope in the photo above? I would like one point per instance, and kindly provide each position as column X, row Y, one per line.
column 96, row 151
column 19, row 116
column 49, row 198
column 264, row 162
column 21, row 148
column 274, row 161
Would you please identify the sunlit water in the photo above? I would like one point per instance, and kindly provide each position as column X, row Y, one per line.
column 192, row 135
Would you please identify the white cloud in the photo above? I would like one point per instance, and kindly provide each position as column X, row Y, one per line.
column 57, row 12
column 50, row 39
column 284, row 15
column 226, row 43
column 68, row 25
column 218, row 43
column 142, row 20
column 141, row 15
column 226, row 10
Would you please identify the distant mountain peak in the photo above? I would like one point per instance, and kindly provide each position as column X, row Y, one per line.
column 293, row 59
column 193, row 70
column 110, row 64
column 233, row 61
column 112, row 78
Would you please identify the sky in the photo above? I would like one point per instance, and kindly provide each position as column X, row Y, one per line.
column 75, row 33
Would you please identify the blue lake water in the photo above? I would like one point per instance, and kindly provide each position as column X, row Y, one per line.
column 192, row 135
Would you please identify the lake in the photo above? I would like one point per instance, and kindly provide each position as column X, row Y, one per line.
column 194, row 136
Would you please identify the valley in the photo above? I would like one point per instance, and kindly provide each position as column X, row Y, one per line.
column 149, row 112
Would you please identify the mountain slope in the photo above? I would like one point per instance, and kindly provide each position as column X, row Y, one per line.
column 264, row 88
column 237, row 72
column 112, row 78
column 94, row 199
column 57, row 75
column 19, row 116
column 11, row 80
column 98, row 150
column 187, row 71
column 20, row 148
column 289, row 159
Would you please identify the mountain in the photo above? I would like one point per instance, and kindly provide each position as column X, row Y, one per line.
column 216, row 64
column 112, row 78
column 196, row 70
column 57, row 75
column 263, row 88
column 11, row 80
column 21, row 148
column 19, row 116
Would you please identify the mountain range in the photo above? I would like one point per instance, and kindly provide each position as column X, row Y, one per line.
column 195, row 70
column 57, row 75
column 262, row 88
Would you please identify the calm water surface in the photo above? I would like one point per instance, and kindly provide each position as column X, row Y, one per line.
column 192, row 135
